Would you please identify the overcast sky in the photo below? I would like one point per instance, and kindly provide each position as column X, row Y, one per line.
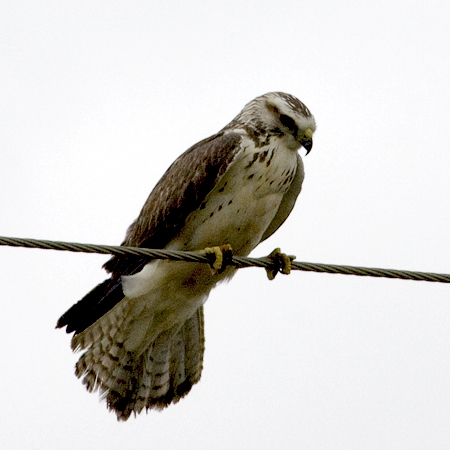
column 99, row 97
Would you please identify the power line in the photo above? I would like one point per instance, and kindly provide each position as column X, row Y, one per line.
column 238, row 261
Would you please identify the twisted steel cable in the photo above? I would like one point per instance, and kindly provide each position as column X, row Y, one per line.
column 237, row 261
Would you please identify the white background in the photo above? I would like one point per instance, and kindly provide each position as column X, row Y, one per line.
column 99, row 97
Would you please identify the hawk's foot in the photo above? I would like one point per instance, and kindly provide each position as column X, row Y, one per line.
column 222, row 257
column 280, row 263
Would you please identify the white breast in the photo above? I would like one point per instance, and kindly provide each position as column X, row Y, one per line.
column 244, row 202
column 237, row 212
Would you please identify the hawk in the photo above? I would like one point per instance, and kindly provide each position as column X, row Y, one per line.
column 141, row 330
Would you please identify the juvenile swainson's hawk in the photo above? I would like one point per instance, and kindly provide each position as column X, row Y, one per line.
column 142, row 329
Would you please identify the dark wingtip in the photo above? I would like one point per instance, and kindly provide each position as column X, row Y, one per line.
column 65, row 319
column 92, row 306
column 62, row 322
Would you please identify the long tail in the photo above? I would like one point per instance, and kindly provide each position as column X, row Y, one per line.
column 162, row 374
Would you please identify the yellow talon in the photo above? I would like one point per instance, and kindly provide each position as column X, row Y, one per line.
column 280, row 263
column 222, row 255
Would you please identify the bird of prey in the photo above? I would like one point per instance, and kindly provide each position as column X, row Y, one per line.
column 141, row 330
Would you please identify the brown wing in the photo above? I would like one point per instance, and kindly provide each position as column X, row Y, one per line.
column 180, row 191
column 288, row 201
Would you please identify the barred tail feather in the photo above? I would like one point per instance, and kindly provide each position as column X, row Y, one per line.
column 162, row 374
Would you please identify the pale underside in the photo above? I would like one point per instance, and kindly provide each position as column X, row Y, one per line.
column 134, row 352
column 142, row 329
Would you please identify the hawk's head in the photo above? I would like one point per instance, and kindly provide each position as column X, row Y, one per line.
column 279, row 114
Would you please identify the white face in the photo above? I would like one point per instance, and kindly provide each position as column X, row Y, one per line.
column 294, row 120
column 302, row 120
column 278, row 112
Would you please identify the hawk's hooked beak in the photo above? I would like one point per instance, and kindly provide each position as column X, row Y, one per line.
column 306, row 141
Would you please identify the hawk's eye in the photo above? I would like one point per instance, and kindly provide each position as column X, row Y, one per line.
column 289, row 122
